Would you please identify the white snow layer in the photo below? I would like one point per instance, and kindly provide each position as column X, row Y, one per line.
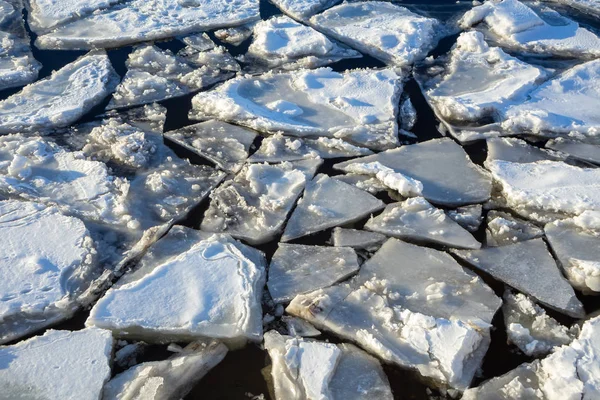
column 383, row 30
column 359, row 106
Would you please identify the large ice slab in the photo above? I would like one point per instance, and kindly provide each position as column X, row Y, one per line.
column 303, row 9
column 154, row 74
column 17, row 65
column 577, row 248
column 224, row 144
column 46, row 14
column 417, row 220
column 169, row 379
column 308, row 369
column 383, row 30
column 539, row 30
column 502, row 229
column 359, row 106
column 57, row 365
column 328, row 203
column 529, row 268
column 533, row 331
column 358, row 240
column 255, row 204
column 143, row 20
column 437, row 164
column 577, row 150
column 279, row 148
column 282, row 43
column 182, row 291
column 571, row 372
column 296, row 269
column 60, row 99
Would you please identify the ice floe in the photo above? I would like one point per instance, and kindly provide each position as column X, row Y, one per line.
column 254, row 205
column 309, row 369
column 46, row 14
column 502, row 228
column 182, row 291
column 436, row 164
column 154, row 74
column 17, row 65
column 282, row 43
column 359, row 106
column 57, row 365
column 169, row 379
column 577, row 150
column 386, row 31
column 518, row 151
column 236, row 35
column 147, row 20
column 358, row 240
column 528, row 267
column 303, row 9
column 533, row 331
column 469, row 217
column 538, row 30
column 296, row 269
column 328, row 203
column 587, row 6
column 570, row 372
column 224, row 144
column 62, row 98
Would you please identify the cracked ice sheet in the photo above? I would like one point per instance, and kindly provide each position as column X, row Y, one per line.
column 173, row 378
column 529, row 268
column 154, row 74
column 282, row 43
column 569, row 373
column 147, row 20
column 255, row 204
column 477, row 82
column 302, row 10
column 328, row 203
column 224, row 144
column 279, row 148
column 542, row 30
column 46, row 14
column 436, row 164
column 359, row 106
column 318, row 370
column 388, row 32
column 296, row 269
column 17, row 65
column 417, row 220
column 533, row 331
column 181, row 291
column 60, row 99
column 57, row 365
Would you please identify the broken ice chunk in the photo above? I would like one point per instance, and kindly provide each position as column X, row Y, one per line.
column 182, row 291
column 578, row 251
column 328, row 203
column 570, row 372
column 429, row 282
column 297, row 269
column 518, row 151
column 529, row 268
column 199, row 42
column 539, row 30
column 17, row 65
column 444, row 169
column 404, row 185
column 587, row 6
column 502, row 229
column 469, row 217
column 533, row 331
column 308, row 369
column 299, row 327
column 359, row 106
column 578, row 150
column 169, row 379
column 57, row 365
column 279, row 148
column 126, row 356
column 416, row 219
column 537, row 189
column 147, row 20
column 154, row 75
column 254, row 205
column 359, row 240
column 364, row 182
column 46, row 14
column 408, row 115
column 224, row 144
column 282, row 43
column 564, row 105
column 303, row 9
column 235, row 35
column 388, row 32
column 60, row 99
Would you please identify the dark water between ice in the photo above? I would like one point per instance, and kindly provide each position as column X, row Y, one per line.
column 241, row 373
